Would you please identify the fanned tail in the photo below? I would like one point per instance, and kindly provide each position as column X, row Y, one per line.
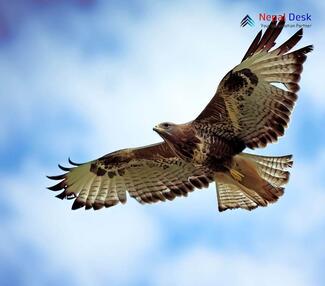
column 252, row 181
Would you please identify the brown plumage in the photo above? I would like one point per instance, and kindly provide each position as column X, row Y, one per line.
column 246, row 111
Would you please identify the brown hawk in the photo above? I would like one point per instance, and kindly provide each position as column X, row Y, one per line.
column 247, row 110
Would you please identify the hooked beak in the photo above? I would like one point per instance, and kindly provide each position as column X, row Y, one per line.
column 158, row 129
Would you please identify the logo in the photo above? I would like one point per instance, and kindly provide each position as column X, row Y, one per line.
column 247, row 20
column 292, row 20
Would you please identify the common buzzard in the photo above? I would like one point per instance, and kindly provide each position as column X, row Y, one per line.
column 247, row 110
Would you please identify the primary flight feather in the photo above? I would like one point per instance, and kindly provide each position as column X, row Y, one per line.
column 246, row 111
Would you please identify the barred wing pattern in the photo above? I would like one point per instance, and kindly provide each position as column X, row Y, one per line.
column 247, row 106
column 150, row 174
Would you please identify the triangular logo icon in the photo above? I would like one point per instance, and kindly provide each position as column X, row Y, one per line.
column 247, row 20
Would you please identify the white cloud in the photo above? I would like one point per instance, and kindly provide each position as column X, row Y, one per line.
column 205, row 266
column 307, row 195
column 92, row 246
column 170, row 71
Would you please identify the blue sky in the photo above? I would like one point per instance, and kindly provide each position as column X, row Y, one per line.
column 84, row 78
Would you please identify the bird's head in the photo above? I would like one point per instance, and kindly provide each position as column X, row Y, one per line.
column 175, row 133
column 180, row 137
column 166, row 130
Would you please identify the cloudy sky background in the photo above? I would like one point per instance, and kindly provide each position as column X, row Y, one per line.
column 84, row 78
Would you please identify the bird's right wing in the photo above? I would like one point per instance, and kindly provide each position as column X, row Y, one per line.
column 150, row 174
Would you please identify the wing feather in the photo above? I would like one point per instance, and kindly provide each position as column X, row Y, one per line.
column 247, row 106
column 149, row 174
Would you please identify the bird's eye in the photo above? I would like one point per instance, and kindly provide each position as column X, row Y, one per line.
column 166, row 125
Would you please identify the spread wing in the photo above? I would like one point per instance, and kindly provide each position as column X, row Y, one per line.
column 150, row 174
column 247, row 106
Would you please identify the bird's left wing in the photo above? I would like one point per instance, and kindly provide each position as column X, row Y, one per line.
column 247, row 106
column 150, row 174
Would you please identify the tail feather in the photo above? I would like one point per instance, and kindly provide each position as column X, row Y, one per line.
column 272, row 169
column 232, row 195
column 279, row 163
column 261, row 181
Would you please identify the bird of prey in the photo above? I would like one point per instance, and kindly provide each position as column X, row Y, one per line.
column 247, row 111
